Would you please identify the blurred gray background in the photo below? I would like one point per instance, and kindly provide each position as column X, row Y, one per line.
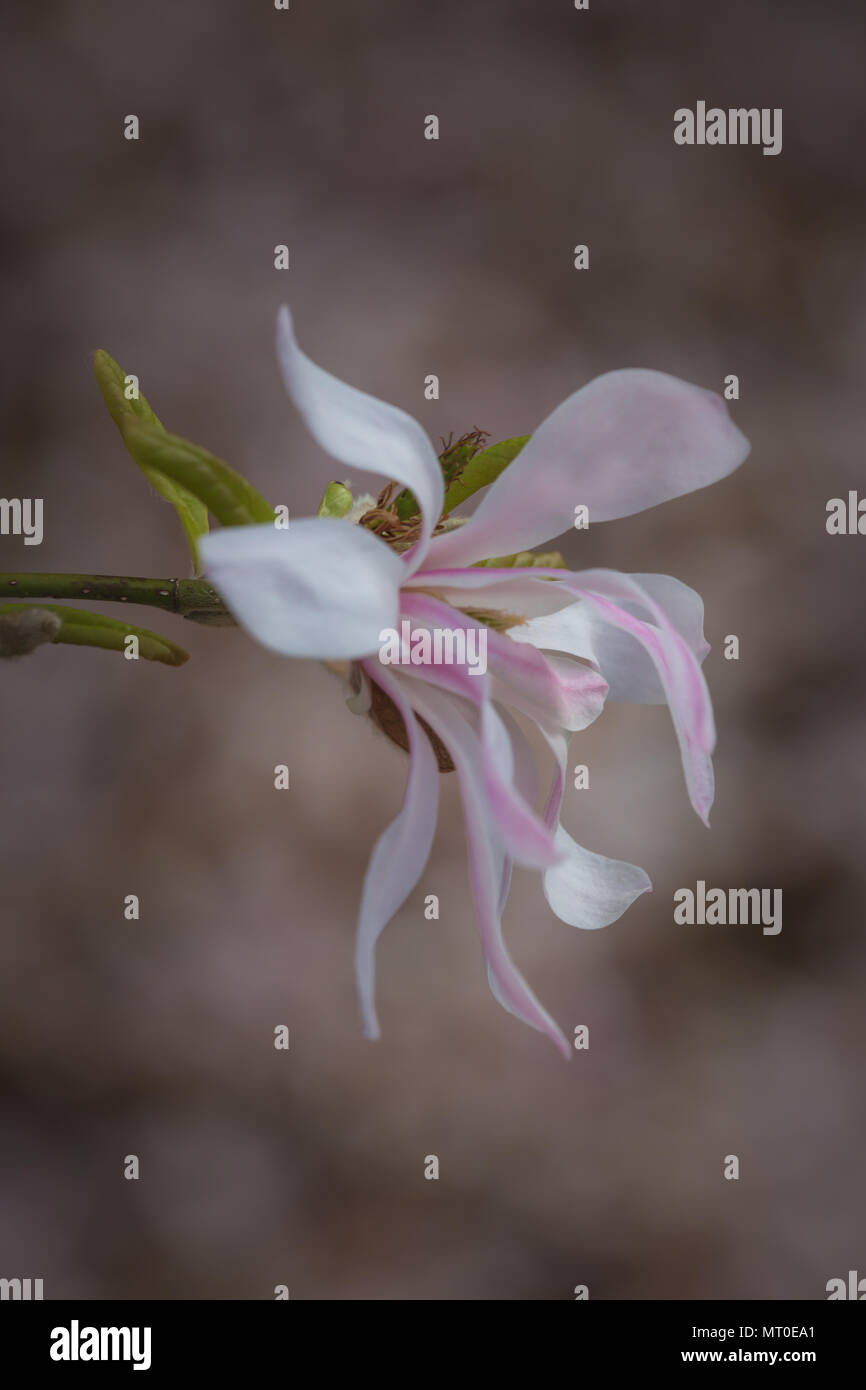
column 408, row 257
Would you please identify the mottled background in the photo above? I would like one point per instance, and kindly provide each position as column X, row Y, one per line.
column 409, row 257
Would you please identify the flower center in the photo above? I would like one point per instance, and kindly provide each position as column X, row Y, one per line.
column 396, row 517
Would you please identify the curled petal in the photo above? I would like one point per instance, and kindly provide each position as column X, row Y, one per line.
column 584, row 889
column 625, row 442
column 321, row 589
column 589, row 890
column 361, row 430
column 625, row 665
column 683, row 607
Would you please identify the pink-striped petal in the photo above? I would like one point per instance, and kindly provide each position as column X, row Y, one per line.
column 526, row 781
column 401, row 852
column 626, row 666
column 555, row 692
column 678, row 670
column 486, row 862
column 525, row 838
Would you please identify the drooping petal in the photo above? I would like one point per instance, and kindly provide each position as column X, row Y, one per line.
column 625, row 442
column 584, row 889
column 401, row 852
column 632, row 676
column 625, row 665
column 677, row 668
column 321, row 589
column 486, row 862
column 558, row 742
column 683, row 607
column 524, row 837
column 361, row 430
column 526, row 773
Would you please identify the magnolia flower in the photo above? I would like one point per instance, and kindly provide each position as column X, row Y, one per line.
column 558, row 643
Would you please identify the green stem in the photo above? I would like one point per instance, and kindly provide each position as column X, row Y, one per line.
column 191, row 598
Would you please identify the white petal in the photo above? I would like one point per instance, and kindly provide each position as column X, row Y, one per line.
column 627, row 441
column 320, row 589
column 584, row 889
column 589, row 890
column 361, row 430
column 571, row 630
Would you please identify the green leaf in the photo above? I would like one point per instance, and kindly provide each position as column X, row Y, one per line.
column 336, row 502
column 192, row 513
column 483, row 469
column 81, row 628
column 231, row 499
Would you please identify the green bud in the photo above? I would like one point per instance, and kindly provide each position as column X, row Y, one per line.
column 22, row 629
column 124, row 409
column 336, row 502
column 216, row 486
column 80, row 628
